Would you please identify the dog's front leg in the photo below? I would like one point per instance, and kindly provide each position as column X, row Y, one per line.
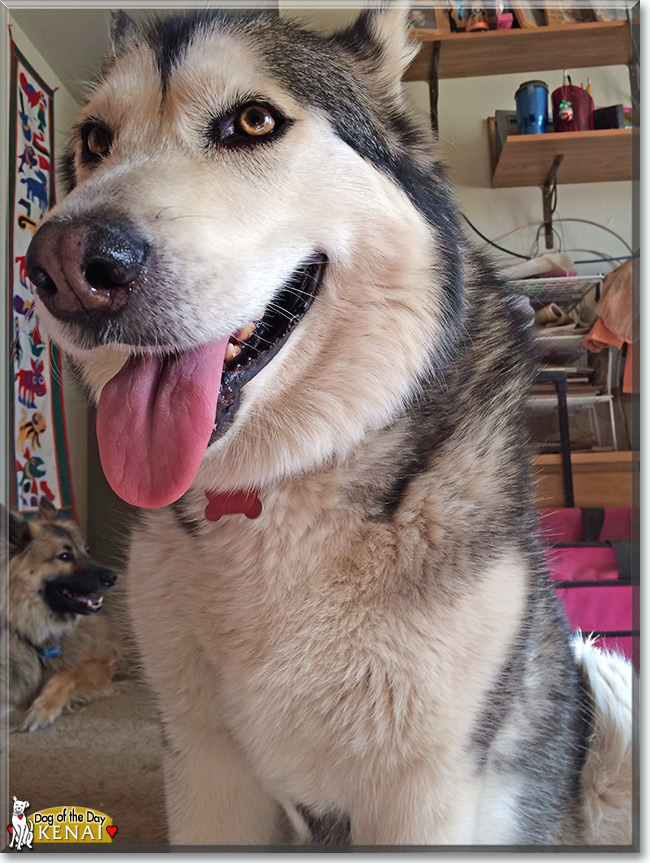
column 213, row 798
column 50, row 702
column 418, row 809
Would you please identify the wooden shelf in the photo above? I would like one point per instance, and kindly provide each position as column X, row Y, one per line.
column 599, row 479
column 493, row 52
column 589, row 157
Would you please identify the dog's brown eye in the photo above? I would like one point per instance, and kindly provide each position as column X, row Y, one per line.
column 66, row 556
column 96, row 142
column 256, row 120
column 245, row 126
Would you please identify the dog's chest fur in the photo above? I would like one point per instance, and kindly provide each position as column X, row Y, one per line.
column 327, row 640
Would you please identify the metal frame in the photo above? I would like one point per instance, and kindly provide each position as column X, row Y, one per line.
column 434, row 88
column 548, row 191
column 559, row 379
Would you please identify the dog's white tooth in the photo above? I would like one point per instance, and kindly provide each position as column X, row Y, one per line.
column 100, row 600
column 232, row 351
column 245, row 332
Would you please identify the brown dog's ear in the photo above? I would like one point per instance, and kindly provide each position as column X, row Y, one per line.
column 123, row 29
column 46, row 509
column 16, row 529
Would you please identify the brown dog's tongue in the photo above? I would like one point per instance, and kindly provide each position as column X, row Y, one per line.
column 154, row 422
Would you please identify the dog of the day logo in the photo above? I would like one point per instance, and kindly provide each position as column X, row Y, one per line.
column 65, row 824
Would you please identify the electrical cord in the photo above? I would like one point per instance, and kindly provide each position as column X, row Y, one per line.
column 528, row 257
column 496, row 245
column 561, row 219
column 534, row 252
column 598, row 260
column 515, row 230
column 604, row 227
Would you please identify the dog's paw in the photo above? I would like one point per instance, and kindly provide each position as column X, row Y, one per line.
column 85, row 697
column 38, row 716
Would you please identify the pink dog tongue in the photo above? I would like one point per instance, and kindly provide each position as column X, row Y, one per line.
column 154, row 421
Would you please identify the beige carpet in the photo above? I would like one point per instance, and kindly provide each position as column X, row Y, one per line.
column 106, row 756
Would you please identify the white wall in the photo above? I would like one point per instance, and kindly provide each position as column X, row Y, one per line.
column 76, row 411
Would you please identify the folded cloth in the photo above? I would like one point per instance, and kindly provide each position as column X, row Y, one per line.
column 601, row 337
column 616, row 307
column 618, row 321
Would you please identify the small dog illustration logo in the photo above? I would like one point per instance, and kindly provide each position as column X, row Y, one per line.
column 21, row 829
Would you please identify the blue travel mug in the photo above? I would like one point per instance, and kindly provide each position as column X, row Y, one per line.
column 532, row 107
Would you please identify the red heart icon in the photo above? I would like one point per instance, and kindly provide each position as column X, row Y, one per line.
column 11, row 830
column 111, row 831
column 20, row 817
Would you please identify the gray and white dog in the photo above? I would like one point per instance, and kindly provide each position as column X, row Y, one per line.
column 316, row 390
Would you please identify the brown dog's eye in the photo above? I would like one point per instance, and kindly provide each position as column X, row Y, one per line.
column 96, row 141
column 249, row 124
column 256, row 120
column 66, row 556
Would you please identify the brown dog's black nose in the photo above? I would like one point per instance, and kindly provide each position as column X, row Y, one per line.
column 107, row 576
column 85, row 266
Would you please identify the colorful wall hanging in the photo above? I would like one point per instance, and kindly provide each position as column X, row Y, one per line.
column 39, row 450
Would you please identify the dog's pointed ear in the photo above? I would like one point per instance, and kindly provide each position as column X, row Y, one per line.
column 123, row 29
column 46, row 509
column 16, row 529
column 384, row 30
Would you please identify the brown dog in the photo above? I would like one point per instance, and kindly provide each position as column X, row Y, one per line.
column 60, row 654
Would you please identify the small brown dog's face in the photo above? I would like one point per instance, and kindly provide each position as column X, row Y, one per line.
column 52, row 577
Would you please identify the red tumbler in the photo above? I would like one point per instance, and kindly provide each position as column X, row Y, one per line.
column 573, row 109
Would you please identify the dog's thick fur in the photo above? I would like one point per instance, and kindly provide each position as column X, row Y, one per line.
column 378, row 659
column 41, row 686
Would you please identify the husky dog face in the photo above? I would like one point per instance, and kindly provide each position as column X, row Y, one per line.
column 236, row 246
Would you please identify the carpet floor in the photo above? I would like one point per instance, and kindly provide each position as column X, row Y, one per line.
column 107, row 756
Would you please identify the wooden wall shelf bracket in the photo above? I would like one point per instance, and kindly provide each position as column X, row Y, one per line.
column 549, row 192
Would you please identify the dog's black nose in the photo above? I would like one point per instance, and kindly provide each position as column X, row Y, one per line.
column 85, row 266
column 107, row 577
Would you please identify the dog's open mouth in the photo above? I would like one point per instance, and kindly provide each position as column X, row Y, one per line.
column 76, row 594
column 253, row 346
column 156, row 417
